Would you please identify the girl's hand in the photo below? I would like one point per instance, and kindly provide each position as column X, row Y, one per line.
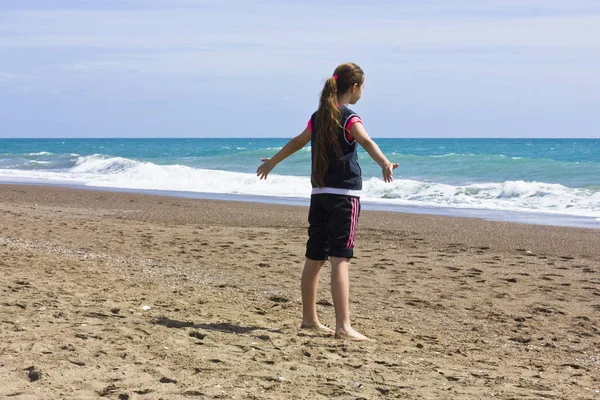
column 265, row 168
column 388, row 171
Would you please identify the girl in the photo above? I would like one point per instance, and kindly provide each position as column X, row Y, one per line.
column 333, row 131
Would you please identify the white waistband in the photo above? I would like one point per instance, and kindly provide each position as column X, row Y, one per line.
column 343, row 192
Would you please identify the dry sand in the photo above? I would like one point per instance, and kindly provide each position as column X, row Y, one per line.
column 459, row 308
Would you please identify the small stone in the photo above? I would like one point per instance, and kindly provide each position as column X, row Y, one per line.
column 33, row 374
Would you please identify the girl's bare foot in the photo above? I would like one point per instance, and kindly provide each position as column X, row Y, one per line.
column 318, row 327
column 351, row 334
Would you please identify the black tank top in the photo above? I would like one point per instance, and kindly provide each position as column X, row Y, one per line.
column 343, row 172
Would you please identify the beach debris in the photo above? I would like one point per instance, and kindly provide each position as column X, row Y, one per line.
column 279, row 299
column 325, row 302
column 42, row 308
column 172, row 323
column 68, row 347
column 145, row 308
column 280, row 378
column 144, row 391
column 520, row 339
column 33, row 374
column 260, row 311
column 193, row 393
column 357, row 385
column 197, row 335
column 383, row 390
column 107, row 390
column 574, row 366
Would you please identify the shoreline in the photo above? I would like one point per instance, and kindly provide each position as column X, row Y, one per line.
column 478, row 232
column 521, row 217
column 125, row 295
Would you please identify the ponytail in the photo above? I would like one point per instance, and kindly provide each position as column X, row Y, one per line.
column 328, row 119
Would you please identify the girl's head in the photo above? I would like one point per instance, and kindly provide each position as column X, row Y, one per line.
column 347, row 79
column 345, row 85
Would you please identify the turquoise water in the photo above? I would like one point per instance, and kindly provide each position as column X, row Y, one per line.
column 557, row 176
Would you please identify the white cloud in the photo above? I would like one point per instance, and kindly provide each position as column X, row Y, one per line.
column 296, row 38
column 287, row 25
column 435, row 57
column 6, row 76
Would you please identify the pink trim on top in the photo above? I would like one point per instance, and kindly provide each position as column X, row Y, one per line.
column 349, row 124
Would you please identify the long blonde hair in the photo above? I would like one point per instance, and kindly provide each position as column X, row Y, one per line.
column 328, row 119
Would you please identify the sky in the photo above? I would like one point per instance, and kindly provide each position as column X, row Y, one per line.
column 202, row 68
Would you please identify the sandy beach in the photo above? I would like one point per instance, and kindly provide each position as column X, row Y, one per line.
column 129, row 296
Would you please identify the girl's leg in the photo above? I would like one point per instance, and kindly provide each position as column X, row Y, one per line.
column 340, row 290
column 309, row 285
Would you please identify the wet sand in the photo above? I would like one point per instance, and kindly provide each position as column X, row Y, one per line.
column 129, row 296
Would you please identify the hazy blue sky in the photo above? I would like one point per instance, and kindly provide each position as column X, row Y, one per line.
column 194, row 68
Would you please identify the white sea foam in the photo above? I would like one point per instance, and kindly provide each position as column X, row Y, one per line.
column 117, row 172
column 509, row 196
column 38, row 162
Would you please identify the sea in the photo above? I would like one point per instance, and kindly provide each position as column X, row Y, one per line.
column 540, row 181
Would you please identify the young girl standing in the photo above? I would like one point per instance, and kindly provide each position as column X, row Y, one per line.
column 333, row 130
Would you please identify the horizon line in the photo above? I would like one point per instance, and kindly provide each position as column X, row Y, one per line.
column 289, row 137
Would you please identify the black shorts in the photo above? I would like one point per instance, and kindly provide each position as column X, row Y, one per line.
column 333, row 219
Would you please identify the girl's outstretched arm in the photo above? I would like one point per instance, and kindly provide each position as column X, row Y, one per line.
column 290, row 148
column 358, row 132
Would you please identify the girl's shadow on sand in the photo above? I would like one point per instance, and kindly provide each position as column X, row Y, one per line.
column 220, row 327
